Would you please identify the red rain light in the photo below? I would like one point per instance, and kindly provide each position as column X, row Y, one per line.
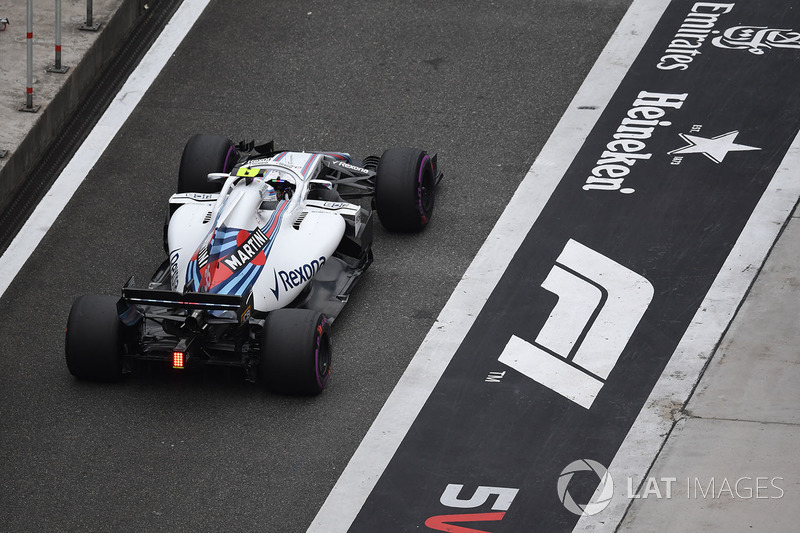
column 178, row 359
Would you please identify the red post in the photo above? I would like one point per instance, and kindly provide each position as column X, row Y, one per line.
column 56, row 67
column 29, row 107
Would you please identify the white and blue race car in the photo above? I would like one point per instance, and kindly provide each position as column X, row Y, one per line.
column 263, row 249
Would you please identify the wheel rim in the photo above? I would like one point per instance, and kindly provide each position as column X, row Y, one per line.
column 322, row 356
column 425, row 190
column 427, row 196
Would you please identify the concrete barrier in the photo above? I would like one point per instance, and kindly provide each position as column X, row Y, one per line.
column 27, row 135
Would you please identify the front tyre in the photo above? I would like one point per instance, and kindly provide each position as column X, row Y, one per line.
column 404, row 189
column 295, row 352
column 93, row 344
column 202, row 155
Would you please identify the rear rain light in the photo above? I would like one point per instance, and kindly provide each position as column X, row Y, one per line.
column 178, row 359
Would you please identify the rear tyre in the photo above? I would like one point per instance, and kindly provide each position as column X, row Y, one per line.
column 295, row 352
column 202, row 155
column 93, row 344
column 404, row 189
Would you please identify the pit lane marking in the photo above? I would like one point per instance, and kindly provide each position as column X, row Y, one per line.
column 482, row 276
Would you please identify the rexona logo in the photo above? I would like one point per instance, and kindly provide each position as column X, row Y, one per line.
column 600, row 304
column 501, row 498
column 352, row 168
column 296, row 277
column 174, row 255
column 628, row 145
column 694, row 31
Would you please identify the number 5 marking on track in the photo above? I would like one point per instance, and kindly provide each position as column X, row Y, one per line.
column 505, row 496
column 600, row 303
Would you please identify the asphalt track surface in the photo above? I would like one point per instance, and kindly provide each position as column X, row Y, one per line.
column 669, row 211
column 481, row 83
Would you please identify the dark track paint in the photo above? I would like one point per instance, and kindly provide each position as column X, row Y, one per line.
column 675, row 229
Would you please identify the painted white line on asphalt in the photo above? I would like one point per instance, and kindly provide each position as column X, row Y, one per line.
column 412, row 391
column 128, row 97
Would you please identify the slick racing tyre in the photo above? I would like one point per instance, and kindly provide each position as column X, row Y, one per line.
column 93, row 344
column 404, row 189
column 295, row 352
column 202, row 155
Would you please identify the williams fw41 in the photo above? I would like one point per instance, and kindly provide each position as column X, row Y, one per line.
column 263, row 250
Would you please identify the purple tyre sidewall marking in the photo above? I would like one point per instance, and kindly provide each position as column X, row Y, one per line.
column 231, row 151
column 321, row 380
column 425, row 161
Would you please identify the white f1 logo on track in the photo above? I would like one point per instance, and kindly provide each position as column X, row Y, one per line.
column 600, row 303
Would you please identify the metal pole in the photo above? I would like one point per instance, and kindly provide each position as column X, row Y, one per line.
column 29, row 38
column 89, row 25
column 57, row 68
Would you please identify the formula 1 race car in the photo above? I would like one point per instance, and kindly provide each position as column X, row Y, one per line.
column 263, row 250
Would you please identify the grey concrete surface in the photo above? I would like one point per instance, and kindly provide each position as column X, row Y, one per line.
column 733, row 453
column 23, row 135
column 756, row 371
column 727, row 475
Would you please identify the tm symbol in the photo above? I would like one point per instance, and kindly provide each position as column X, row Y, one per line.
column 495, row 377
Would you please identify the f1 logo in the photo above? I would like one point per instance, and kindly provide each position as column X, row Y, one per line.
column 600, row 303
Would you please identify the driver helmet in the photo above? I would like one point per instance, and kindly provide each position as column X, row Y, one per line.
column 268, row 193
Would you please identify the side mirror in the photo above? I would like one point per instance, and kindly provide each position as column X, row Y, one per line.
column 325, row 183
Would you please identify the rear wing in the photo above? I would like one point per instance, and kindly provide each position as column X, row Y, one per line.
column 241, row 305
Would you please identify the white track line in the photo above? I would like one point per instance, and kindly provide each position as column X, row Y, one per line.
column 406, row 401
column 128, row 97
